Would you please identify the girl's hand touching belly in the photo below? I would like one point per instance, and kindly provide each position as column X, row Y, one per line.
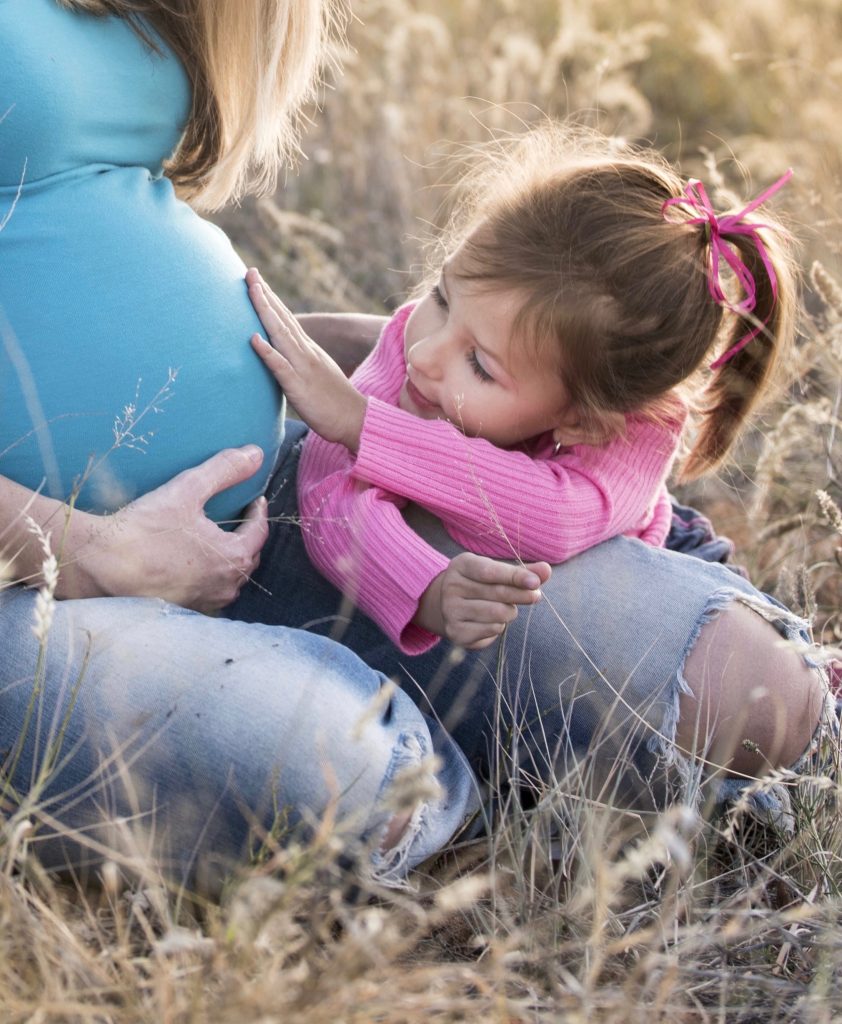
column 315, row 385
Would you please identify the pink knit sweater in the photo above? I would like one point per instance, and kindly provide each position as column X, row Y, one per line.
column 532, row 503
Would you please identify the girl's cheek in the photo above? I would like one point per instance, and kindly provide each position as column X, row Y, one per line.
column 411, row 332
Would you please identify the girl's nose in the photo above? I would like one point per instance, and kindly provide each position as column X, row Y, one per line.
column 425, row 356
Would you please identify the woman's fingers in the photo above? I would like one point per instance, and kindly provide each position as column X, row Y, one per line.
column 225, row 469
column 253, row 531
column 163, row 544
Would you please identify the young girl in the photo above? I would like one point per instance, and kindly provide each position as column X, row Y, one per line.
column 535, row 398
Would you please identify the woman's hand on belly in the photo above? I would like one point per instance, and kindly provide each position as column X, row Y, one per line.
column 163, row 545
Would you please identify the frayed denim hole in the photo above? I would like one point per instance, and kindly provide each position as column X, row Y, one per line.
column 790, row 626
column 389, row 867
column 772, row 804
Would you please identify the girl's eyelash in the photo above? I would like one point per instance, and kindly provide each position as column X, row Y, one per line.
column 477, row 367
column 438, row 298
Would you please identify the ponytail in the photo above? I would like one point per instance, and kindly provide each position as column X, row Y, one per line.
column 762, row 322
column 745, row 377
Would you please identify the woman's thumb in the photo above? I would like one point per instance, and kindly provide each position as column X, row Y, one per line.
column 225, row 469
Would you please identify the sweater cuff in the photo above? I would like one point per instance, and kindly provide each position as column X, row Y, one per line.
column 397, row 606
column 383, row 426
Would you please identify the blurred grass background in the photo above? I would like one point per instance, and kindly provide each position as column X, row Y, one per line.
column 754, row 87
column 734, row 93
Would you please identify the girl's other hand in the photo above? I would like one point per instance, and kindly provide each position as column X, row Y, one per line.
column 314, row 384
column 475, row 598
column 163, row 545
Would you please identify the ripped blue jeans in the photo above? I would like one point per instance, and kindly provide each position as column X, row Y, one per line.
column 588, row 680
column 166, row 740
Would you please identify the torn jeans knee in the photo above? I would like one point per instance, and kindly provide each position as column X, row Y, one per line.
column 767, row 799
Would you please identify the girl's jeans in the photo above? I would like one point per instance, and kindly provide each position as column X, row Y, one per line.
column 585, row 683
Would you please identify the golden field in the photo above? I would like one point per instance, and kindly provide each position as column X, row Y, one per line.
column 628, row 920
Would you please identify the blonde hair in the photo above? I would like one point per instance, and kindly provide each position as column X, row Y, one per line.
column 575, row 222
column 251, row 64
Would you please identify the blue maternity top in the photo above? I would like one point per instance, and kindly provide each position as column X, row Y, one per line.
column 124, row 318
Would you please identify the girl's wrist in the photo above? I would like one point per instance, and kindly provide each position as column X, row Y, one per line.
column 354, row 421
column 429, row 614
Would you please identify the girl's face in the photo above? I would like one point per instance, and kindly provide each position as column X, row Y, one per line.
column 463, row 366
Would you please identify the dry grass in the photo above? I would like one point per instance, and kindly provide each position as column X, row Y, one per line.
column 676, row 920
column 568, row 912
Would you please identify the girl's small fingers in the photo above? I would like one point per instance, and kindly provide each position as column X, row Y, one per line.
column 274, row 360
column 521, row 595
column 482, row 569
column 541, row 570
column 279, row 310
column 499, row 593
column 271, row 324
column 272, row 298
column 263, row 297
column 476, row 635
column 491, row 613
column 267, row 352
column 264, row 308
column 479, row 645
column 525, row 579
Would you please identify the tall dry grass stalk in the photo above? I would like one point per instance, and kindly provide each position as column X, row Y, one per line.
column 758, row 86
column 799, row 474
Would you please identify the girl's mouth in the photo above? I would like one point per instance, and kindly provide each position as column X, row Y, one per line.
column 417, row 399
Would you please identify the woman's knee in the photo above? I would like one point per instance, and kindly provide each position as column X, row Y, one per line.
column 755, row 702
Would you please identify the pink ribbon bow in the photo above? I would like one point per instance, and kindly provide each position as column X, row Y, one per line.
column 696, row 199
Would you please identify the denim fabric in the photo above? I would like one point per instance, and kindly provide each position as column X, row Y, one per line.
column 587, row 680
column 693, row 534
column 163, row 730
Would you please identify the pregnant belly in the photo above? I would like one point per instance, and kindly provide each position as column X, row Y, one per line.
column 125, row 351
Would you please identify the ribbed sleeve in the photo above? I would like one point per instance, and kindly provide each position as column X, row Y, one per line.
column 355, row 536
column 509, row 504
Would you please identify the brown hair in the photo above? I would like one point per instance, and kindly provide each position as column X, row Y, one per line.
column 575, row 221
column 251, row 64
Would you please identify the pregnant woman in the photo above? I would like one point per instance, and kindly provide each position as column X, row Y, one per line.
column 125, row 361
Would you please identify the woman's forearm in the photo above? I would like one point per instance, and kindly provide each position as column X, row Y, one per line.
column 71, row 532
column 346, row 337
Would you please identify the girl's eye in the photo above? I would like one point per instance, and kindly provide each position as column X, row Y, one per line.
column 478, row 368
column 438, row 298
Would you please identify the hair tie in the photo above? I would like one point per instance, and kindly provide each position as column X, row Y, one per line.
column 695, row 198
